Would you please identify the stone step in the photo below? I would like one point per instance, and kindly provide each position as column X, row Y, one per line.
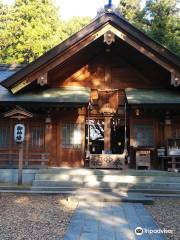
column 57, row 183
column 90, row 196
column 155, row 191
column 115, row 190
column 86, row 171
column 9, row 187
column 106, row 178
column 70, row 191
column 60, row 189
column 172, row 195
column 109, row 184
column 73, row 189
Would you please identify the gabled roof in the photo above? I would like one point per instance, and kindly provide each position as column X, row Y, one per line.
column 18, row 113
column 151, row 47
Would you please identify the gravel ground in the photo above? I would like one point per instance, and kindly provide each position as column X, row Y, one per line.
column 34, row 217
column 166, row 212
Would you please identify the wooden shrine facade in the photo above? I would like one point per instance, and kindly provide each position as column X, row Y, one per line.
column 106, row 97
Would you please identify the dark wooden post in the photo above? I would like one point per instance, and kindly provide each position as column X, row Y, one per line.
column 88, row 142
column 19, row 113
column 107, row 134
column 20, row 164
column 48, row 141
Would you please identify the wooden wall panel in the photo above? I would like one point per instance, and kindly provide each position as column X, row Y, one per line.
column 106, row 72
column 69, row 156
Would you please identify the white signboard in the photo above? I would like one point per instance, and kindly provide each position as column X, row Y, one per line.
column 19, row 133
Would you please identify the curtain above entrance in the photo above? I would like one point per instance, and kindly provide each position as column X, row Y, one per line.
column 152, row 96
column 65, row 95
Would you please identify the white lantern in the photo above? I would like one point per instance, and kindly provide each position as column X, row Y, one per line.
column 19, row 133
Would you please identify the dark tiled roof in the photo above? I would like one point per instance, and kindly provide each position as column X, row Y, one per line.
column 66, row 95
column 152, row 96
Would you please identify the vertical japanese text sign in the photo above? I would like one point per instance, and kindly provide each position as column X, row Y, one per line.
column 19, row 133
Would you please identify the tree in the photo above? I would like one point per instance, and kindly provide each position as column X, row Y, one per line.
column 32, row 27
column 75, row 24
column 159, row 19
column 130, row 9
column 29, row 28
column 162, row 23
column 4, row 16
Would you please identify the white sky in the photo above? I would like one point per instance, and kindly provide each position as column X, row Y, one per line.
column 69, row 8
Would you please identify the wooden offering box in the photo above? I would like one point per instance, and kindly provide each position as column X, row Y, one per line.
column 143, row 158
column 107, row 161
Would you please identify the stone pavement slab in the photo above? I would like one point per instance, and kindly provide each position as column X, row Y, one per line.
column 111, row 221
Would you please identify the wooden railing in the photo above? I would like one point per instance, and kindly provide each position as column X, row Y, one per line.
column 35, row 159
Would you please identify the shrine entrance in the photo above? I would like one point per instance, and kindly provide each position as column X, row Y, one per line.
column 107, row 142
column 118, row 138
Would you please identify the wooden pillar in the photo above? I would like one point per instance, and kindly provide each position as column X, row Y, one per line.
column 132, row 162
column 107, row 134
column 48, row 140
column 27, row 144
column 82, row 120
column 20, row 163
column 10, row 151
column 167, row 132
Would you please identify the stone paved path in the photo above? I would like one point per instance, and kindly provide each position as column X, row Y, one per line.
column 111, row 221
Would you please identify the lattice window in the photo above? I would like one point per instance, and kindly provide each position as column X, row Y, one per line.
column 4, row 136
column 36, row 137
column 143, row 136
column 72, row 135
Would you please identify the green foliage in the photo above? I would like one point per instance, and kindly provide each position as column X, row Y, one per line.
column 75, row 24
column 162, row 23
column 129, row 9
column 30, row 28
column 159, row 19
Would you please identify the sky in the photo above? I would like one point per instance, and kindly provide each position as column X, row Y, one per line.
column 69, row 8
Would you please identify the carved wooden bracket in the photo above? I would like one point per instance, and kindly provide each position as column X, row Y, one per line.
column 109, row 37
column 175, row 80
column 42, row 80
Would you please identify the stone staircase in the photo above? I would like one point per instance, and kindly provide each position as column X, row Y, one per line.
column 68, row 180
